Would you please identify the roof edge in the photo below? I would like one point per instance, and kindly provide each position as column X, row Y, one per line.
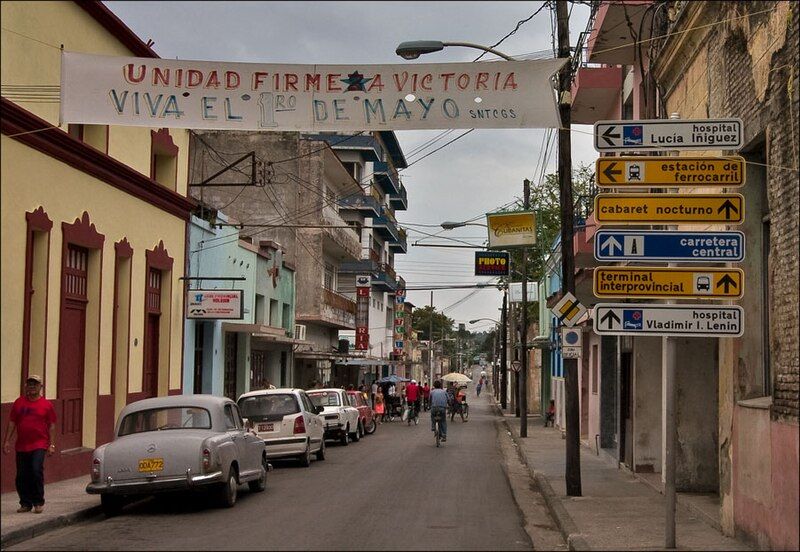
column 114, row 25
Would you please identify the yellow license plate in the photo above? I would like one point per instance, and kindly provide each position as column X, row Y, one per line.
column 151, row 464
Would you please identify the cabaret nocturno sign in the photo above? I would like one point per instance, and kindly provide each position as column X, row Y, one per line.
column 253, row 96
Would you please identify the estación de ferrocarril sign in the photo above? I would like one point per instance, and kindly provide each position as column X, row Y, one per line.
column 254, row 96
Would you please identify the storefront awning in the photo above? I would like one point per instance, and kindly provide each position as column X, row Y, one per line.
column 262, row 332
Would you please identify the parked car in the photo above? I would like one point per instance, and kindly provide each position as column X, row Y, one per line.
column 366, row 416
column 176, row 443
column 341, row 419
column 287, row 421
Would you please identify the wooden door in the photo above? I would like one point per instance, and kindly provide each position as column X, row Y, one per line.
column 258, row 370
column 199, row 336
column 72, row 346
column 152, row 334
column 231, row 352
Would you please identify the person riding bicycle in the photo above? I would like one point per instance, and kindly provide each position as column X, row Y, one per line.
column 439, row 408
column 458, row 400
column 412, row 398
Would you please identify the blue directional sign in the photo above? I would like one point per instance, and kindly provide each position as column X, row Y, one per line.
column 668, row 246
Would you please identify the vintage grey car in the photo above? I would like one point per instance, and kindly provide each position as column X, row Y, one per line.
column 176, row 443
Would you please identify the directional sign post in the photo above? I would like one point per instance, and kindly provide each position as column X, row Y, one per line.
column 668, row 208
column 668, row 246
column 668, row 134
column 668, row 320
column 668, row 283
column 670, row 172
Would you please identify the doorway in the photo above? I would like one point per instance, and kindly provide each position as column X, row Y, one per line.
column 152, row 334
column 258, row 370
column 231, row 354
column 626, row 409
column 72, row 345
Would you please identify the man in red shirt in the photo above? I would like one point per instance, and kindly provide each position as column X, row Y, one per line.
column 426, row 396
column 412, row 396
column 33, row 420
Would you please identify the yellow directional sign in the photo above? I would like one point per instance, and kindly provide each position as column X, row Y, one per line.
column 661, row 283
column 673, row 172
column 668, row 208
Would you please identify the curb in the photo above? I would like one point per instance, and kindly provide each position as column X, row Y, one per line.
column 16, row 536
column 565, row 523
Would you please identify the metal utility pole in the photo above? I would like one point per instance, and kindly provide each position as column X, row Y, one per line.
column 514, row 340
column 572, row 408
column 430, row 344
column 504, row 352
column 523, row 341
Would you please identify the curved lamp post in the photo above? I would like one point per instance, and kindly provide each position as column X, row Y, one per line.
column 415, row 48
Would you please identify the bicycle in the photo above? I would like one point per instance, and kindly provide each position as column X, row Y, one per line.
column 437, row 424
column 413, row 414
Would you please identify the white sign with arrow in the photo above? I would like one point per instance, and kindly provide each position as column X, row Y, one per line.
column 668, row 320
column 668, row 134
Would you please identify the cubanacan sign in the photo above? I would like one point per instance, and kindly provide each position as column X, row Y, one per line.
column 148, row 92
column 507, row 230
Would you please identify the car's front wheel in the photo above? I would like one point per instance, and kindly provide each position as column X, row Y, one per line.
column 260, row 484
column 111, row 504
column 227, row 492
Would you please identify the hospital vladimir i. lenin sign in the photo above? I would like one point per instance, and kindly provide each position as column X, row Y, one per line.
column 252, row 96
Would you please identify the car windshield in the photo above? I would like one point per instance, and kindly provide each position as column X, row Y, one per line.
column 159, row 419
column 325, row 398
column 261, row 407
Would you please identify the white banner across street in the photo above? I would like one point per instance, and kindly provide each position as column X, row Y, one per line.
column 148, row 92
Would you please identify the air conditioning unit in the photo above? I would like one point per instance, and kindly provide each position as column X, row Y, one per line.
column 300, row 331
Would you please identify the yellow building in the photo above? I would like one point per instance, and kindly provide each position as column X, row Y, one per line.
column 94, row 225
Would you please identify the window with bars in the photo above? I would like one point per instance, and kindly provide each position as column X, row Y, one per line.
column 154, row 291
column 76, row 272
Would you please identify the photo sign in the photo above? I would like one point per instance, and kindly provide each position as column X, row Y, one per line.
column 109, row 90
column 491, row 263
column 215, row 304
column 509, row 230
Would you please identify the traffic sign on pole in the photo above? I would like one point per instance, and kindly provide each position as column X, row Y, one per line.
column 668, row 134
column 668, row 320
column 668, row 246
column 672, row 172
column 668, row 208
column 663, row 283
column 568, row 310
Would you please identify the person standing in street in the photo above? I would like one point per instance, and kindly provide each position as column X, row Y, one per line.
column 374, row 392
column 380, row 406
column 33, row 422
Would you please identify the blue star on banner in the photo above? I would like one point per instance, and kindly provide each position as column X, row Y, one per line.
column 355, row 82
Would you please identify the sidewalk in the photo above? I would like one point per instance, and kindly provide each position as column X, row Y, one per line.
column 65, row 502
column 617, row 510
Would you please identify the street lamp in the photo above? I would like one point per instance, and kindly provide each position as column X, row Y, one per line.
column 489, row 319
column 415, row 48
column 449, row 225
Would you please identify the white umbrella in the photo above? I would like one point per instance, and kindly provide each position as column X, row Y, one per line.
column 456, row 377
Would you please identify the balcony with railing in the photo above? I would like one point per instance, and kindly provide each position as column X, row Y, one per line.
column 341, row 239
column 330, row 308
column 615, row 25
column 367, row 144
column 366, row 205
column 386, row 225
column 386, row 177
column 399, row 201
column 401, row 245
column 385, row 278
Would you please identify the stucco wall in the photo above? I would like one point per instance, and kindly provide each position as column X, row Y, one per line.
column 647, row 404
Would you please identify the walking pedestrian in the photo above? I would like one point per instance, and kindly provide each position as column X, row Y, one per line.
column 479, row 387
column 426, row 396
column 33, row 422
column 374, row 391
column 380, row 406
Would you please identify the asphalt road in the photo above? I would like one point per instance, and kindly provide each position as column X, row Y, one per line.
column 394, row 490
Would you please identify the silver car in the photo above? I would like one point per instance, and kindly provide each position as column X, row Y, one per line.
column 176, row 443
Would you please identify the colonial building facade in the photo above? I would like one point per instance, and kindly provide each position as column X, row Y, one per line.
column 94, row 223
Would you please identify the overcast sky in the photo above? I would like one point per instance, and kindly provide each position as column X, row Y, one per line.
column 474, row 175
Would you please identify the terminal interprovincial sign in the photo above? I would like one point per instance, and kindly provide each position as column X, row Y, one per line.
column 662, row 283
column 669, row 320
column 639, row 172
column 668, row 246
column 668, row 208
column 668, row 134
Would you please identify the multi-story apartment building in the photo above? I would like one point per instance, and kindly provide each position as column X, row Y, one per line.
column 737, row 408
column 293, row 202
column 233, row 356
column 94, row 219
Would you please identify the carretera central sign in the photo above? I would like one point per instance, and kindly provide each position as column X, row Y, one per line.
column 255, row 96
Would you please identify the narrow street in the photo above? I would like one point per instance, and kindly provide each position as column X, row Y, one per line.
column 394, row 489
